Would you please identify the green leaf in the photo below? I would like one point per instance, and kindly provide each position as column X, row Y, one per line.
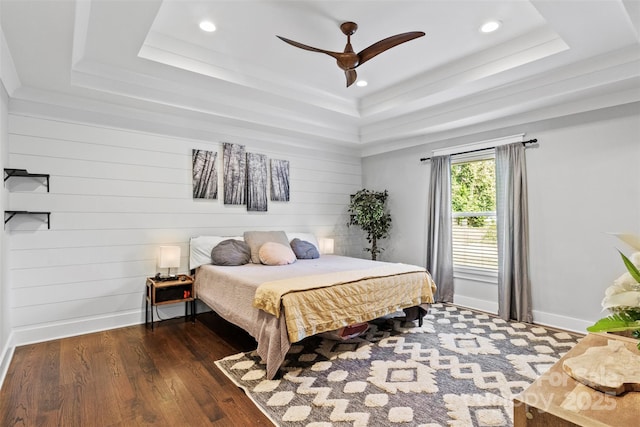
column 615, row 323
column 633, row 270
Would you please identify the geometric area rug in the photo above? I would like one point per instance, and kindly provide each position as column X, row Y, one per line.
column 461, row 368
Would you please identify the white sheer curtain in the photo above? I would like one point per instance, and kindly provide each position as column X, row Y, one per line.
column 439, row 240
column 514, row 287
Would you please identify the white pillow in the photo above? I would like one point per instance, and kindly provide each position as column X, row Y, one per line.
column 272, row 253
column 200, row 249
column 307, row 237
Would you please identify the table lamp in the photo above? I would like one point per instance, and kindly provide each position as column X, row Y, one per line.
column 169, row 258
column 326, row 245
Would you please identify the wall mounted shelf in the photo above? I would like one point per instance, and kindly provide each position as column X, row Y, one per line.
column 23, row 173
column 8, row 173
column 11, row 214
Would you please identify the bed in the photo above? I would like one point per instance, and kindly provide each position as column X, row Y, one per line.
column 282, row 304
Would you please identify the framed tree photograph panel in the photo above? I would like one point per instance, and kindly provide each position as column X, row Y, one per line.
column 205, row 174
column 235, row 173
column 256, row 182
column 279, row 180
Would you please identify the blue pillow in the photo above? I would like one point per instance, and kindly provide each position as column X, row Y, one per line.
column 304, row 249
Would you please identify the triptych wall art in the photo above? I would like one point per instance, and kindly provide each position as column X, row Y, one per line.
column 279, row 180
column 245, row 177
column 234, row 174
column 205, row 174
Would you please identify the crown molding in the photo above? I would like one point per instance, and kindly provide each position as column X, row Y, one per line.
column 584, row 79
column 166, row 121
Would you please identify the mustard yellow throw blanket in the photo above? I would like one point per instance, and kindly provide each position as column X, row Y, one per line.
column 315, row 303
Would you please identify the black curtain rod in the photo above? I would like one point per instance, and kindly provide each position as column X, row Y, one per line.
column 531, row 141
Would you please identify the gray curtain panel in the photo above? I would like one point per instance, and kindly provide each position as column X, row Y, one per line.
column 439, row 240
column 514, row 287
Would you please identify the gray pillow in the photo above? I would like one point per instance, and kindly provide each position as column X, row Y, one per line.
column 304, row 249
column 255, row 239
column 231, row 252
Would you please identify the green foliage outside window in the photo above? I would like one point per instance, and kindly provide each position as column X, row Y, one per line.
column 473, row 189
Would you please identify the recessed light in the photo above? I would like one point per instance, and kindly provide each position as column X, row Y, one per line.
column 490, row 26
column 207, row 26
column 361, row 83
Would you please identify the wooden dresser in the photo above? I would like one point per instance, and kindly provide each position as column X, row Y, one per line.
column 555, row 399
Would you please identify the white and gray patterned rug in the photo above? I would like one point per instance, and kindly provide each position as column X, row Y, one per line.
column 461, row 368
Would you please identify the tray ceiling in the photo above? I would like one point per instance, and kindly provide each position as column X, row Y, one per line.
column 150, row 60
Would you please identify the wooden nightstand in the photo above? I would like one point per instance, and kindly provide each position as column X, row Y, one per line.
column 160, row 292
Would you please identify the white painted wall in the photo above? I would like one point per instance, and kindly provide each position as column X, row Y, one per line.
column 584, row 181
column 116, row 196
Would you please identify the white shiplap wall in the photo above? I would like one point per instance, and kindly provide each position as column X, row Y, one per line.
column 116, row 195
column 6, row 351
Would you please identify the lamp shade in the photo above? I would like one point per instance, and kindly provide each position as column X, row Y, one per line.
column 326, row 245
column 169, row 257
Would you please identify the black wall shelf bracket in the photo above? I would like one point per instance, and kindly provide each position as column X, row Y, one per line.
column 8, row 173
column 8, row 215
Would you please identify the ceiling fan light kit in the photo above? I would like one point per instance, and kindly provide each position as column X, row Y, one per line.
column 348, row 60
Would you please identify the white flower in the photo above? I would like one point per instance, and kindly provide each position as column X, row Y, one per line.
column 625, row 292
column 622, row 300
column 623, row 297
column 625, row 282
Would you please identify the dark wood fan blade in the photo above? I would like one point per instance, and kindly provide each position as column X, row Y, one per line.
column 335, row 55
column 352, row 76
column 385, row 44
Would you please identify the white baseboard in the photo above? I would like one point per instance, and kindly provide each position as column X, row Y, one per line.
column 5, row 358
column 539, row 317
column 561, row 322
column 50, row 331
column 478, row 304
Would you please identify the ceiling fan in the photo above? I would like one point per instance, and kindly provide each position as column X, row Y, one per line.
column 349, row 60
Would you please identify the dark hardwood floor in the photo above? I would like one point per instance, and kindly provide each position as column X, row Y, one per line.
column 131, row 376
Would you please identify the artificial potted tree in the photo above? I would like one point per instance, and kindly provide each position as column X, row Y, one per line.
column 368, row 211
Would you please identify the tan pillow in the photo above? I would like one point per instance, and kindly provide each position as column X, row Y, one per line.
column 255, row 240
column 276, row 254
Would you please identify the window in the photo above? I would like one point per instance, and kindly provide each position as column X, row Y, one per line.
column 473, row 203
